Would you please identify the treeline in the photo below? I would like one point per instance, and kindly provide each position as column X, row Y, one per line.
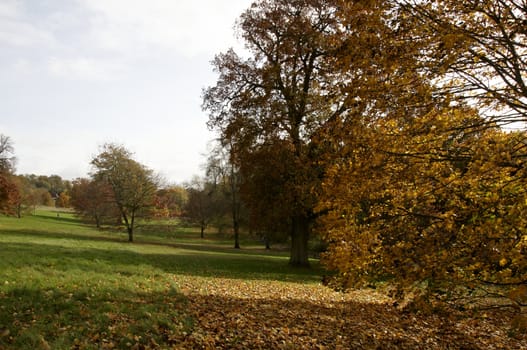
column 20, row 194
column 120, row 190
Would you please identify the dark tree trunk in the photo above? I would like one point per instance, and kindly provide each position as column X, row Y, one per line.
column 299, row 242
column 202, row 235
column 129, row 226
column 236, row 235
column 267, row 243
column 130, row 230
column 235, row 207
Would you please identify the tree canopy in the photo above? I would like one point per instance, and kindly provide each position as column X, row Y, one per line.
column 382, row 120
column 478, row 49
column 276, row 99
column 133, row 185
column 9, row 193
column 429, row 194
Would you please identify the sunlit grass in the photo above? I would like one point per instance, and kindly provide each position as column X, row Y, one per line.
column 64, row 284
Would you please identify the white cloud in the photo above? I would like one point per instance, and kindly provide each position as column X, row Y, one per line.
column 22, row 66
column 84, row 68
column 152, row 57
column 188, row 28
column 9, row 8
column 15, row 32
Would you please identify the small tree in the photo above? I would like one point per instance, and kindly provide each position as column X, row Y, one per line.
column 93, row 201
column 133, row 184
column 63, row 200
column 7, row 159
column 9, row 193
column 200, row 206
column 170, row 201
column 226, row 177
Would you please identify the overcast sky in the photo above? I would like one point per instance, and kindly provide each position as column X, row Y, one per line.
column 75, row 74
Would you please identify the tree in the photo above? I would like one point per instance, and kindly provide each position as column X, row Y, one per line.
column 479, row 49
column 38, row 185
column 425, row 192
column 266, row 188
column 9, row 193
column 316, row 69
column 94, row 201
column 7, row 159
column 45, row 198
column 201, row 207
column 30, row 195
column 133, row 185
column 279, row 95
column 227, row 179
column 63, row 200
column 430, row 205
column 170, row 201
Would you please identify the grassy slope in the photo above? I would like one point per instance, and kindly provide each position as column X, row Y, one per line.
column 64, row 284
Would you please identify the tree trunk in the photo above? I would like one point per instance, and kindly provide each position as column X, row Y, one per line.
column 130, row 230
column 300, row 237
column 236, row 235
column 202, row 231
column 129, row 227
column 235, row 209
column 267, row 243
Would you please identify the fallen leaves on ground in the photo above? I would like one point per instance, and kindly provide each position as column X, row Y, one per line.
column 237, row 314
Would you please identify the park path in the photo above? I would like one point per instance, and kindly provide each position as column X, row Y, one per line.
column 257, row 314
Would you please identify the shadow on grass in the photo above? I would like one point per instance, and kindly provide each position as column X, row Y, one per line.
column 182, row 259
column 69, row 235
column 123, row 319
column 58, row 219
column 183, row 240
column 115, row 309
column 70, row 318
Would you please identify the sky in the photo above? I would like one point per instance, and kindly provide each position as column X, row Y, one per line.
column 75, row 74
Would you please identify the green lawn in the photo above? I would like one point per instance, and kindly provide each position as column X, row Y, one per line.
column 64, row 284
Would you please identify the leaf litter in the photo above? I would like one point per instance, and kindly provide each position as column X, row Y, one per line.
column 256, row 314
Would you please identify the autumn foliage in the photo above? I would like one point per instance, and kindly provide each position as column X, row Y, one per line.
column 447, row 209
column 9, row 193
column 432, row 198
column 382, row 124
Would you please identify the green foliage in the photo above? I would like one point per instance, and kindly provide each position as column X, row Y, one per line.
column 53, row 184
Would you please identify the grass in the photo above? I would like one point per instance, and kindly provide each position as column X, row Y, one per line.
column 64, row 284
